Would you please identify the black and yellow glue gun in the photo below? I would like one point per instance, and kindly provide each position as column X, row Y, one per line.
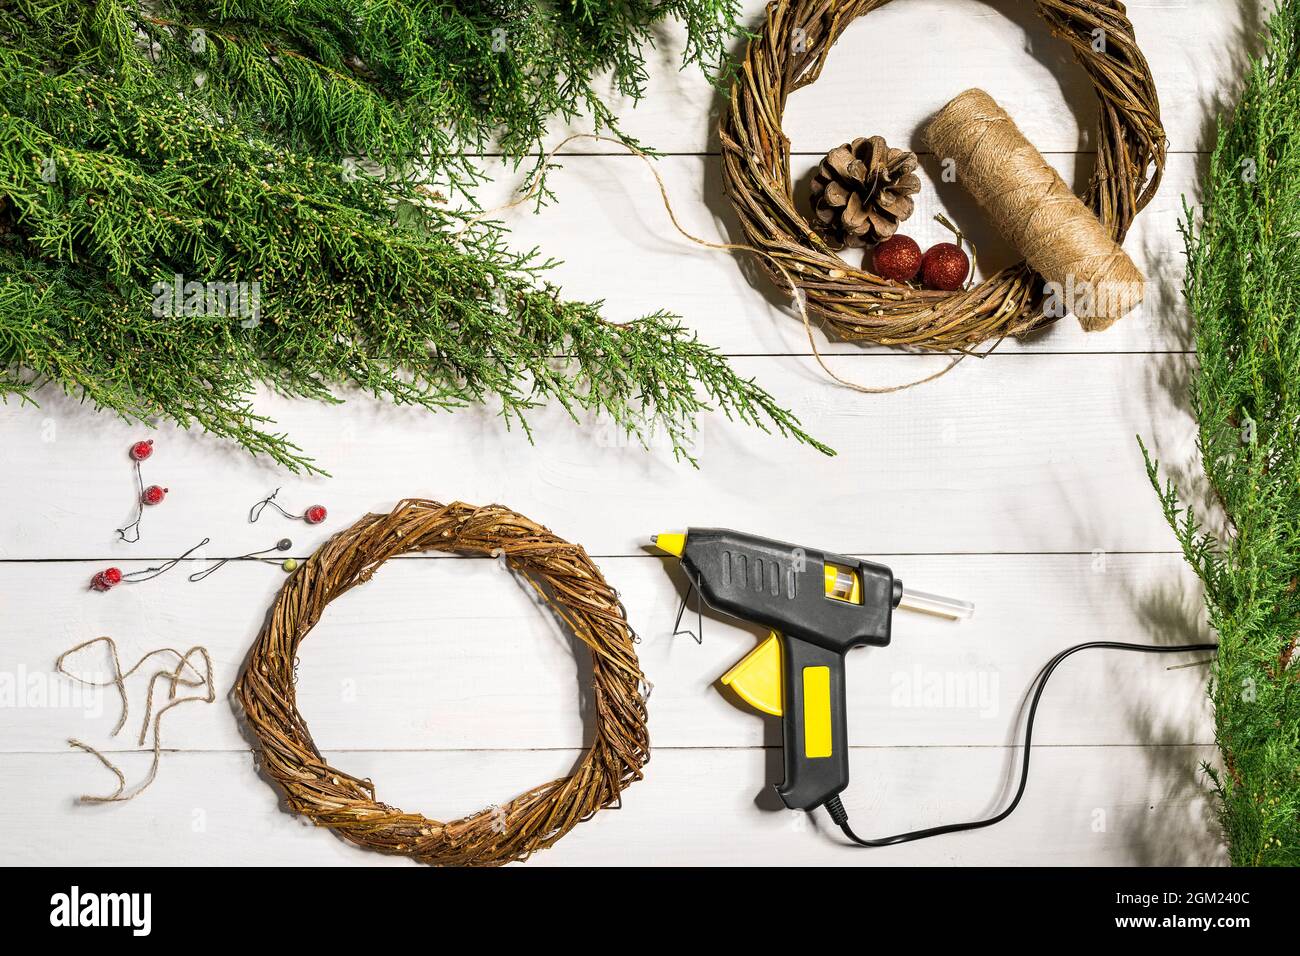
column 818, row 606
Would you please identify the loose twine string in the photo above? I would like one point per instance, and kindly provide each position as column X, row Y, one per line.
column 1034, row 209
column 174, row 677
column 800, row 298
column 562, row 575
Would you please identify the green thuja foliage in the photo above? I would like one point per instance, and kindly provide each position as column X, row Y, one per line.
column 317, row 156
column 1243, row 290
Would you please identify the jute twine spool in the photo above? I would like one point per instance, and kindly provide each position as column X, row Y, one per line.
column 1035, row 211
column 565, row 579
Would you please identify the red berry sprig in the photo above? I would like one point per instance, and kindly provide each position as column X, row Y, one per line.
column 110, row 578
column 107, row 579
column 313, row 515
column 153, row 495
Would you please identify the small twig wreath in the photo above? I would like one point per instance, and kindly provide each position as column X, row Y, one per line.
column 567, row 581
column 789, row 54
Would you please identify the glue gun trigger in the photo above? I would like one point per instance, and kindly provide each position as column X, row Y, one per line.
column 756, row 678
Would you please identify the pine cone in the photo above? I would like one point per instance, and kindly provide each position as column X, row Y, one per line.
column 862, row 191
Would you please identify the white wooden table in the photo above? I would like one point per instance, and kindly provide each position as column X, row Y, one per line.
column 1015, row 482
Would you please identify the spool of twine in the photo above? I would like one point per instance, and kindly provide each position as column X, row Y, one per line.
column 1034, row 210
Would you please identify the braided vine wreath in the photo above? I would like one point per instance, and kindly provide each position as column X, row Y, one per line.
column 564, row 577
column 789, row 54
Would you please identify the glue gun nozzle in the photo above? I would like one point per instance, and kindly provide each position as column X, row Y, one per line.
column 674, row 542
column 936, row 604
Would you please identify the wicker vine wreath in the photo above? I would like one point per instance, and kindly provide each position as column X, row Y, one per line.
column 564, row 577
column 789, row 54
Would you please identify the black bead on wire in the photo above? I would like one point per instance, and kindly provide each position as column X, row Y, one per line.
column 110, row 578
column 284, row 544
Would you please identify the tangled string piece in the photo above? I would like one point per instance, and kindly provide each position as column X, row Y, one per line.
column 564, row 577
column 789, row 54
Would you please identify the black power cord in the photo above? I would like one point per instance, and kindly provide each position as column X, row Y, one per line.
column 841, row 818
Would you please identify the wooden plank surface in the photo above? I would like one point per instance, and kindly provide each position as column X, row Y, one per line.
column 453, row 654
column 1011, row 453
column 1085, row 805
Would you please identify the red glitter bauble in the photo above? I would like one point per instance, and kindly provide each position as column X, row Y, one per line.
column 897, row 258
column 945, row 267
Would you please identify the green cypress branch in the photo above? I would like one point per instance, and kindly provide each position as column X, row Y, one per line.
column 1243, row 291
column 303, row 155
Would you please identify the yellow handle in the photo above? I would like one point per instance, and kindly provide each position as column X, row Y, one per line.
column 757, row 679
column 816, row 711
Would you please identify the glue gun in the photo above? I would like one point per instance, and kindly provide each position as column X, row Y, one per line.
column 818, row 606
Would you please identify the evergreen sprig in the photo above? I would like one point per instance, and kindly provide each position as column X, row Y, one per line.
column 311, row 151
column 1243, row 290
